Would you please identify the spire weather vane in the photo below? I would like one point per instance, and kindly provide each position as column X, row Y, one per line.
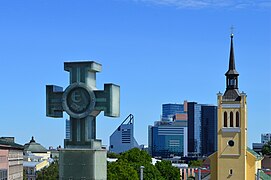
column 232, row 30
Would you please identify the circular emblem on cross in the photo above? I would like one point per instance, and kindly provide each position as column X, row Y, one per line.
column 78, row 100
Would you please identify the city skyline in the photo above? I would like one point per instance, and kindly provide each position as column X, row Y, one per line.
column 158, row 51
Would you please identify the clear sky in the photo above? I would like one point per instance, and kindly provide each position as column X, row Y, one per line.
column 158, row 51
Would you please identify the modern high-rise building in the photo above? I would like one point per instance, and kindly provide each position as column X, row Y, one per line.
column 208, row 129
column 168, row 137
column 123, row 138
column 266, row 138
column 169, row 110
column 202, row 124
column 68, row 129
column 194, row 128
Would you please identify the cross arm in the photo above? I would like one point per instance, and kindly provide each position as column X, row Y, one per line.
column 54, row 101
column 108, row 100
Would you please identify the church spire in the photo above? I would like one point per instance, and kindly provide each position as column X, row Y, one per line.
column 231, row 77
column 232, row 69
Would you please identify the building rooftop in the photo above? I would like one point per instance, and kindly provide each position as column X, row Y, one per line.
column 34, row 147
column 30, row 163
column 9, row 143
column 258, row 157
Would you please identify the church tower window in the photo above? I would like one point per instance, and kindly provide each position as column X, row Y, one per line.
column 231, row 119
column 231, row 172
column 237, row 119
column 225, row 119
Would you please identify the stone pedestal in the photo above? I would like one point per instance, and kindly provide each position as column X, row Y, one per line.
column 87, row 164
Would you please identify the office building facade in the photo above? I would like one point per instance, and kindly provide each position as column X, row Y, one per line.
column 208, row 129
column 169, row 110
column 68, row 129
column 168, row 137
column 194, row 128
column 265, row 138
column 202, row 125
column 123, row 138
column 192, row 123
column 11, row 159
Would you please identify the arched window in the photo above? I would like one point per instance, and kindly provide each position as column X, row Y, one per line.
column 231, row 119
column 237, row 119
column 231, row 172
column 225, row 119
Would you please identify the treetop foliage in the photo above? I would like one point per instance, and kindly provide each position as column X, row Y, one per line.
column 128, row 167
column 49, row 173
column 266, row 149
column 195, row 163
column 135, row 155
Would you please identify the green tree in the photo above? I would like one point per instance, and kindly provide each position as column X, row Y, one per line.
column 266, row 149
column 49, row 173
column 121, row 170
column 138, row 158
column 167, row 170
column 134, row 158
column 24, row 175
column 150, row 172
column 191, row 178
column 195, row 163
column 112, row 155
column 135, row 155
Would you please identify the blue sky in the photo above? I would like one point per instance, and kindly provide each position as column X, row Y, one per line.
column 158, row 51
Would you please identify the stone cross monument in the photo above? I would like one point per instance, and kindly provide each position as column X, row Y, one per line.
column 83, row 156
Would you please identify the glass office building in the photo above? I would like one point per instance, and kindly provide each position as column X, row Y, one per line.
column 265, row 138
column 209, row 129
column 68, row 129
column 194, row 128
column 183, row 129
column 168, row 139
column 169, row 110
column 202, row 125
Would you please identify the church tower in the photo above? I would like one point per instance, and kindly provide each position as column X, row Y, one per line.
column 232, row 126
column 232, row 160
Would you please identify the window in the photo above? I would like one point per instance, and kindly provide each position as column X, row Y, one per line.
column 232, row 82
column 231, row 172
column 237, row 120
column 231, row 143
column 225, row 119
column 231, row 119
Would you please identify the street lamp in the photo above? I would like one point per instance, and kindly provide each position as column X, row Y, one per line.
column 141, row 172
